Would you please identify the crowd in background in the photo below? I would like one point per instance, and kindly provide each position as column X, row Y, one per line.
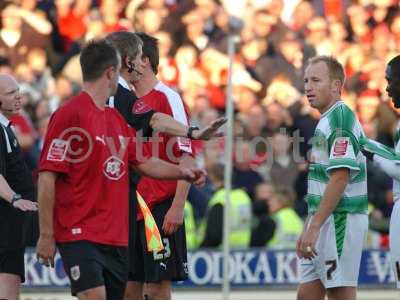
column 40, row 43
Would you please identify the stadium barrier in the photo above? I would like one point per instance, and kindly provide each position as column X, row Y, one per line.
column 250, row 268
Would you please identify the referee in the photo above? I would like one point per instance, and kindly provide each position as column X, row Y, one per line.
column 143, row 118
column 15, row 186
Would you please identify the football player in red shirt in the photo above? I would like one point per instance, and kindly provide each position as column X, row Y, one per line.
column 83, row 181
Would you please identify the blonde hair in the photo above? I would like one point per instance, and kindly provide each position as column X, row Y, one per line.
column 335, row 68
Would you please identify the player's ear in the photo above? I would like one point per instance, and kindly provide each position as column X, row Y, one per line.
column 336, row 85
column 109, row 72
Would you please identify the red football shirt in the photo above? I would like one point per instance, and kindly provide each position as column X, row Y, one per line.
column 165, row 100
column 90, row 149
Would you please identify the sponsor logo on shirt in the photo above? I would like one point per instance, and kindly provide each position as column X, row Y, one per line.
column 76, row 230
column 113, row 168
column 340, row 147
column 57, row 151
column 140, row 107
column 100, row 139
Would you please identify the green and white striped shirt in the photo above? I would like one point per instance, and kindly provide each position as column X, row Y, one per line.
column 336, row 145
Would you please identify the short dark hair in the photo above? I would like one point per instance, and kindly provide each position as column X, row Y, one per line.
column 150, row 50
column 335, row 68
column 394, row 63
column 96, row 57
column 127, row 43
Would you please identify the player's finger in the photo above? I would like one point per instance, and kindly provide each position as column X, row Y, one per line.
column 314, row 251
column 218, row 134
column 167, row 228
column 219, row 122
column 165, row 225
column 21, row 207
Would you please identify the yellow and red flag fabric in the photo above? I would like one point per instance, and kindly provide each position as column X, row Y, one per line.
column 153, row 237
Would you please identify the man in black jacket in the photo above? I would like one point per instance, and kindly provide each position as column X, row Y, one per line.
column 144, row 119
column 15, row 186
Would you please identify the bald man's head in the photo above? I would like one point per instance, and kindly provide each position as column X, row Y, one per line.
column 10, row 98
column 6, row 80
column 393, row 80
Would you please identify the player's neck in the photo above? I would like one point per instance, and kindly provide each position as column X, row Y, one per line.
column 98, row 95
column 145, row 84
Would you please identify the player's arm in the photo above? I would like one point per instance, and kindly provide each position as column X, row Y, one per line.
column 160, row 169
column 342, row 166
column 167, row 124
column 6, row 192
column 52, row 162
column 174, row 217
column 333, row 193
column 390, row 167
column 46, row 196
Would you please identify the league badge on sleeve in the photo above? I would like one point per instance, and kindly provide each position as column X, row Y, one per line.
column 340, row 146
column 57, row 150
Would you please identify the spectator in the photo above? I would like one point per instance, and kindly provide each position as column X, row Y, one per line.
column 240, row 218
column 263, row 226
column 289, row 226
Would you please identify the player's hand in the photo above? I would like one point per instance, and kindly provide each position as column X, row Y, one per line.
column 196, row 176
column 211, row 131
column 173, row 219
column 307, row 243
column 25, row 205
column 46, row 250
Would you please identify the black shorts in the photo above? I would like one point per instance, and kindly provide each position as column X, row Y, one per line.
column 169, row 264
column 12, row 262
column 89, row 265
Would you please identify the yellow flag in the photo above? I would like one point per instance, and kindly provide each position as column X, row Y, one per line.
column 153, row 237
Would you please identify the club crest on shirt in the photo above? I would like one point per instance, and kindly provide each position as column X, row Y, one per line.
column 57, row 150
column 75, row 273
column 340, row 146
column 140, row 107
column 113, row 168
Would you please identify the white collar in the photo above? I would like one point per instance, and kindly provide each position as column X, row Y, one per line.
column 3, row 120
column 124, row 83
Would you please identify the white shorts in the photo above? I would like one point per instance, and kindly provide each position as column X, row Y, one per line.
column 394, row 240
column 339, row 250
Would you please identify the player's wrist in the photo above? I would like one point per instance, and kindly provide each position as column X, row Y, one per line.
column 315, row 225
column 15, row 198
column 47, row 235
column 192, row 134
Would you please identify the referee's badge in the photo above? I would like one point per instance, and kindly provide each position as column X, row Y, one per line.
column 75, row 273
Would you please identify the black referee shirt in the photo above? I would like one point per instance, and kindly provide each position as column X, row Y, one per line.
column 19, row 178
column 126, row 102
column 129, row 106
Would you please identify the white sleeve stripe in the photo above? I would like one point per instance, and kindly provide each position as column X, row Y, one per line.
column 175, row 102
column 178, row 113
